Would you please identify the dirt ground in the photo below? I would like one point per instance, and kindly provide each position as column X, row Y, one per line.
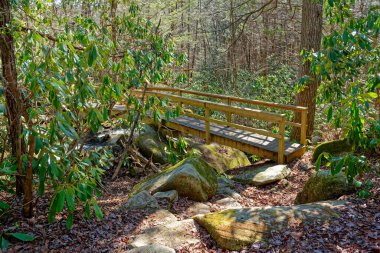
column 356, row 230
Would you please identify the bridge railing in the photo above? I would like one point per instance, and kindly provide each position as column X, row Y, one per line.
column 229, row 110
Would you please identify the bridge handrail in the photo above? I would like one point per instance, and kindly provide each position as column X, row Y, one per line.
column 241, row 111
column 231, row 98
column 296, row 109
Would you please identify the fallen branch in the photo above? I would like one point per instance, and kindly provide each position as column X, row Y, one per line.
column 130, row 138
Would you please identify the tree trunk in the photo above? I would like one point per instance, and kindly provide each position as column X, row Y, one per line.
column 232, row 49
column 13, row 97
column 311, row 35
column 27, row 207
column 114, row 21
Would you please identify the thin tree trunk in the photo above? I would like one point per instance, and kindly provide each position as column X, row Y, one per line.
column 27, row 208
column 13, row 96
column 232, row 46
column 311, row 36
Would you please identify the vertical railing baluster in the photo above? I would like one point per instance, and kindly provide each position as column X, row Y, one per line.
column 229, row 114
column 303, row 127
column 207, row 124
column 281, row 142
column 180, row 94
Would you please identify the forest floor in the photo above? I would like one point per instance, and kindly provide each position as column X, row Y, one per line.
column 356, row 230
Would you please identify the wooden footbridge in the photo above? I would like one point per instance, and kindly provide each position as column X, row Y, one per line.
column 261, row 142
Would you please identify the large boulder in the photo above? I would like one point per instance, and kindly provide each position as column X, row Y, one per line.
column 324, row 186
column 151, row 144
column 192, row 178
column 263, row 175
column 222, row 158
column 236, row 229
column 332, row 147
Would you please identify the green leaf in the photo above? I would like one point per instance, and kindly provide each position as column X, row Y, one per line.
column 69, row 195
column 329, row 114
column 338, row 168
column 372, row 94
column 53, row 209
column 60, row 201
column 92, row 55
column 319, row 160
column 98, row 211
column 69, row 221
column 3, row 109
column 4, row 243
column 87, row 210
column 38, row 145
column 4, row 205
column 23, row 237
column 66, row 128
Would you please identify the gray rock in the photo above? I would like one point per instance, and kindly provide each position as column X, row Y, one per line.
column 161, row 216
column 263, row 175
column 224, row 182
column 198, row 208
column 228, row 192
column 324, row 186
column 306, row 166
column 152, row 248
column 192, row 178
column 225, row 187
column 142, row 200
column 171, row 235
column 170, row 196
column 228, row 203
column 315, row 139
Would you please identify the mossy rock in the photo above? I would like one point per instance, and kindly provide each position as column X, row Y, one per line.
column 192, row 178
column 222, row 158
column 332, row 147
column 324, row 186
column 236, row 229
column 151, row 144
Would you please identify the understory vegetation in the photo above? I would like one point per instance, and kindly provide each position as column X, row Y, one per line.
column 77, row 118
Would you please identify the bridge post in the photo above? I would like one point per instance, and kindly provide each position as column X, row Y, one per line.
column 180, row 94
column 303, row 127
column 229, row 114
column 207, row 124
column 281, row 142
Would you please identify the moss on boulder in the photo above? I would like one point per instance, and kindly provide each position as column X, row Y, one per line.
column 236, row 229
column 151, row 145
column 324, row 186
column 332, row 147
column 222, row 158
column 192, row 178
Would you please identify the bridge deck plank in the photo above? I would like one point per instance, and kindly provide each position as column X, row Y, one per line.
column 257, row 140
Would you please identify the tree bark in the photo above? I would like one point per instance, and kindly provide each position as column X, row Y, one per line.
column 27, row 207
column 311, row 36
column 14, row 102
column 232, row 46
